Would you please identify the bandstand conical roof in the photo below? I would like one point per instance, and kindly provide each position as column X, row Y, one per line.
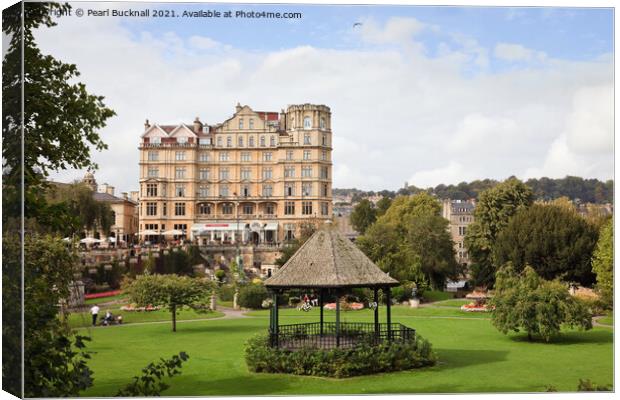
column 329, row 260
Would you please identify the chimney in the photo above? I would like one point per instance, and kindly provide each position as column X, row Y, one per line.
column 238, row 107
column 110, row 190
column 146, row 124
column 282, row 121
column 124, row 194
column 134, row 195
column 197, row 125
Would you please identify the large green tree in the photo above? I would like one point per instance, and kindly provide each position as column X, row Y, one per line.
column 603, row 263
column 492, row 213
column 170, row 291
column 412, row 242
column 555, row 241
column 57, row 127
column 525, row 301
column 364, row 214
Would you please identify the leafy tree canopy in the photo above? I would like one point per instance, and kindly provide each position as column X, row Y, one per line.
column 525, row 301
column 554, row 240
column 603, row 262
column 363, row 215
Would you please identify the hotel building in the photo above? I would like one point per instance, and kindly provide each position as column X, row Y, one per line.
column 460, row 215
column 252, row 178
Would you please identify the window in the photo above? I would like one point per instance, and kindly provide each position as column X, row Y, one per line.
column 251, row 123
column 289, row 172
column 240, row 123
column 462, row 230
column 289, row 155
column 179, row 208
column 324, row 190
column 267, row 156
column 289, row 231
column 223, row 173
column 324, row 155
column 153, row 226
column 322, row 123
column 251, row 141
column 164, row 208
column 262, row 141
column 306, row 154
column 224, row 156
column 179, row 173
column 204, row 208
column 224, row 190
column 306, row 172
column 240, row 141
column 179, row 191
column 204, row 141
column 181, row 227
column 289, row 189
column 151, row 208
column 306, row 189
column 227, row 208
column 151, row 190
column 324, row 140
column 306, row 207
column 324, row 208
column 272, row 141
column 307, row 138
column 179, row 156
column 245, row 156
column 266, row 173
column 155, row 140
column 289, row 208
column 248, row 209
column 204, row 156
column 219, row 141
column 153, row 156
column 267, row 190
column 307, row 123
column 246, row 173
column 229, row 141
column 270, row 209
column 153, row 172
column 182, row 140
column 203, row 191
column 324, row 172
column 245, row 191
column 204, row 173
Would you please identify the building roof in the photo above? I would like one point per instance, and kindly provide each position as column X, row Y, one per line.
column 329, row 260
column 99, row 196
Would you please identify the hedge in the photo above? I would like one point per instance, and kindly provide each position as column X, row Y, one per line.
column 363, row 359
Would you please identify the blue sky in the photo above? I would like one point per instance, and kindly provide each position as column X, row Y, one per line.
column 567, row 33
column 425, row 95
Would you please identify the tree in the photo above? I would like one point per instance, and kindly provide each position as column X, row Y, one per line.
column 494, row 209
column 382, row 205
column 150, row 383
column 554, row 240
column 170, row 291
column 525, row 301
column 411, row 241
column 603, row 263
column 306, row 230
column 364, row 214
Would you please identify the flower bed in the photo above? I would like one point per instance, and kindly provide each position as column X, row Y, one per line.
column 133, row 307
column 474, row 307
column 363, row 359
column 351, row 306
column 109, row 293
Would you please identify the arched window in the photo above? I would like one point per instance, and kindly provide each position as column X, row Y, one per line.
column 272, row 141
column 307, row 123
column 262, row 141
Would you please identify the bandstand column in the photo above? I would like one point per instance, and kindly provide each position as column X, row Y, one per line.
column 337, row 318
column 388, row 300
column 321, row 309
column 376, row 300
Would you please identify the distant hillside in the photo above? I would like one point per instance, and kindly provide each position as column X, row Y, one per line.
column 573, row 187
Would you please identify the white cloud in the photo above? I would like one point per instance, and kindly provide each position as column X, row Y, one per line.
column 517, row 52
column 398, row 114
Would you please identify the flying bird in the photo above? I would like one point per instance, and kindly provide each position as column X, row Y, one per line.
column 357, row 24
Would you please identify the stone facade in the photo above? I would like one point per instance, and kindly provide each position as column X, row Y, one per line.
column 252, row 178
column 460, row 215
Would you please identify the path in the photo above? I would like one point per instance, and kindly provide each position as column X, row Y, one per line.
column 596, row 323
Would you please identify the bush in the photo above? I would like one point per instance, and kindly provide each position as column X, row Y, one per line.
column 227, row 293
column 585, row 385
column 364, row 359
column 252, row 296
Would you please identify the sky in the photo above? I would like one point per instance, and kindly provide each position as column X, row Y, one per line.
column 423, row 95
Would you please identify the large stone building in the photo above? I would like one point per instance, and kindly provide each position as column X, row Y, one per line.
column 252, row 178
column 460, row 215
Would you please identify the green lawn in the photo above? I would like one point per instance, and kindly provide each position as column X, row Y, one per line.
column 473, row 356
column 84, row 319
column 608, row 319
column 452, row 303
column 101, row 300
column 430, row 296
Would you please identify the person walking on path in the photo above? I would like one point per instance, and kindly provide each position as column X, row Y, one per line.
column 94, row 310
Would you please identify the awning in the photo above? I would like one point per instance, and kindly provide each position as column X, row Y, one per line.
column 271, row 226
column 217, row 227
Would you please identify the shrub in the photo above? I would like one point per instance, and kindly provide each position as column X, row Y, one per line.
column 363, row 359
column 252, row 296
column 585, row 385
column 227, row 293
column 220, row 274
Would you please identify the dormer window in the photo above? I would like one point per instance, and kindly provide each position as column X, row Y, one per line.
column 251, row 123
column 307, row 123
column 155, row 140
column 240, row 123
column 182, row 140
